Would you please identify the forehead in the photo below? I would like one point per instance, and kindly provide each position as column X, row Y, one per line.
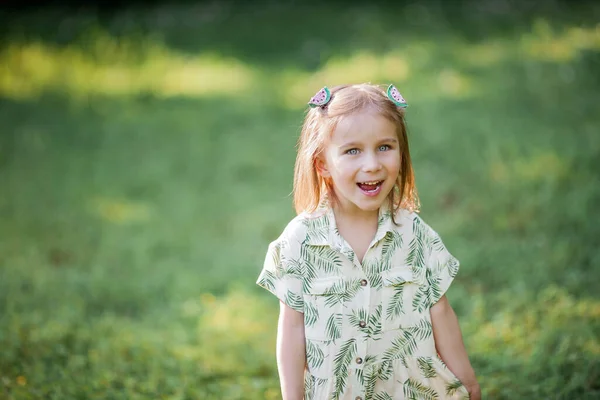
column 365, row 126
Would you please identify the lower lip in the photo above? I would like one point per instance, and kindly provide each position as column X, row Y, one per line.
column 372, row 193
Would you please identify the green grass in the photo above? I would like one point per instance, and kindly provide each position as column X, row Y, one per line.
column 146, row 160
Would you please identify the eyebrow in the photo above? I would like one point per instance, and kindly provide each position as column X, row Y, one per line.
column 355, row 144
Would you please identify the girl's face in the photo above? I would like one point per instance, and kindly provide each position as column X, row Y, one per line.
column 362, row 158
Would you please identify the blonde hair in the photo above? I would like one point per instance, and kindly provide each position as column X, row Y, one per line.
column 310, row 189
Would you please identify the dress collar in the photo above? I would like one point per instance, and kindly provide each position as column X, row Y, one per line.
column 322, row 228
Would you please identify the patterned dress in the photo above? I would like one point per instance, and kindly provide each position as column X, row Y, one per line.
column 367, row 325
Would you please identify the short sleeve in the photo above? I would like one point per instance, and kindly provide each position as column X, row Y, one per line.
column 282, row 275
column 442, row 268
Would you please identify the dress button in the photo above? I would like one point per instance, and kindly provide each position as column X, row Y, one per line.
column 359, row 360
column 362, row 324
column 363, row 282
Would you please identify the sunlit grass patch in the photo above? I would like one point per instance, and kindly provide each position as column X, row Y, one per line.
column 120, row 210
column 543, row 43
column 236, row 333
column 525, row 328
column 358, row 68
column 395, row 67
column 539, row 336
column 541, row 166
column 100, row 64
column 105, row 65
column 454, row 84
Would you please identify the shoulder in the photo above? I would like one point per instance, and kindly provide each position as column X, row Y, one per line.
column 299, row 228
column 409, row 219
column 414, row 223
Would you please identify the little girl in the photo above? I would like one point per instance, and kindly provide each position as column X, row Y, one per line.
column 360, row 276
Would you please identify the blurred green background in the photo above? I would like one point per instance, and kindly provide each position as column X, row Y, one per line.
column 146, row 157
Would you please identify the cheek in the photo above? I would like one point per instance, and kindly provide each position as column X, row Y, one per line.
column 393, row 161
column 349, row 167
column 341, row 165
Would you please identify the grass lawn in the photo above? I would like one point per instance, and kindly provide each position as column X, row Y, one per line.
column 146, row 159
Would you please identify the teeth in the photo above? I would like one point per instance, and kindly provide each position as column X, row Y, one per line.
column 371, row 183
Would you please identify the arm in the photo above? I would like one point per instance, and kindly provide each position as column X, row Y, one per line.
column 291, row 352
column 449, row 344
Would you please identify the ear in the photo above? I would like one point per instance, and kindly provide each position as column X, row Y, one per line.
column 321, row 166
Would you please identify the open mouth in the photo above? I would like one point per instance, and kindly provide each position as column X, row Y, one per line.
column 371, row 188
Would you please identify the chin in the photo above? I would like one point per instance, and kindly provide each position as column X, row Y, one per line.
column 371, row 205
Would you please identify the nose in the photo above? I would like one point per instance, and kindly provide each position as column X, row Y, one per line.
column 371, row 162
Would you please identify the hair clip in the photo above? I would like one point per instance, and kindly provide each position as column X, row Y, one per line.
column 395, row 96
column 321, row 98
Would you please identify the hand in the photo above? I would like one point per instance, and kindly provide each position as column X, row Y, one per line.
column 474, row 391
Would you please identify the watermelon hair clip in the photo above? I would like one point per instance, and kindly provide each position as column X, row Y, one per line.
column 396, row 97
column 321, row 98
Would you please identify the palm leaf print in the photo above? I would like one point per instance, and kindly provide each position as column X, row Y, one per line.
column 275, row 252
column 393, row 242
column 415, row 390
column 395, row 308
column 357, row 316
column 375, row 326
column 436, row 243
column 314, row 355
column 335, row 294
column 404, row 345
column 452, row 387
column 371, row 266
column 433, row 281
column 385, row 371
column 382, row 396
column 410, row 343
column 307, row 284
column 294, row 301
column 376, row 280
column 334, row 298
column 325, row 259
column 333, row 327
column 311, row 314
column 351, row 288
column 426, row 366
column 403, row 361
column 309, row 269
column 369, row 383
column 267, row 280
column 291, row 266
column 344, row 247
column 341, row 291
column 309, row 386
column 340, row 366
column 372, row 269
column 369, row 359
column 350, row 256
column 416, row 252
column 360, row 376
column 383, row 217
column 310, row 272
column 421, row 299
column 453, row 266
column 317, row 230
column 423, row 330
column 320, row 381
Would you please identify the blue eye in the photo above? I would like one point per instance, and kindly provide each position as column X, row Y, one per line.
column 352, row 152
column 384, row 147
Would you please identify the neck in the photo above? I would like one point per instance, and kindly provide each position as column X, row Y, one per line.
column 355, row 215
